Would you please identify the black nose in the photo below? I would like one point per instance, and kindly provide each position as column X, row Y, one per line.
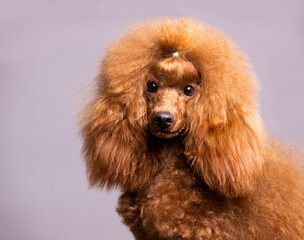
column 163, row 119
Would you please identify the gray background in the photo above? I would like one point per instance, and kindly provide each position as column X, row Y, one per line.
column 50, row 49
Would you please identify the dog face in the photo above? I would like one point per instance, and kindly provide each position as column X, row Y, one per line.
column 171, row 85
column 207, row 93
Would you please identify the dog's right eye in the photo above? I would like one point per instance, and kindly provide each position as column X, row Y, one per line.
column 152, row 86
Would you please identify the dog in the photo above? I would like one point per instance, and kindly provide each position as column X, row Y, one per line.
column 174, row 122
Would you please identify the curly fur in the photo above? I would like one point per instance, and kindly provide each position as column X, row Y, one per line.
column 215, row 174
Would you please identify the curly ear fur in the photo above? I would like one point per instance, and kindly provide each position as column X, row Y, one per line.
column 228, row 156
column 225, row 141
column 115, row 149
column 115, row 145
column 114, row 123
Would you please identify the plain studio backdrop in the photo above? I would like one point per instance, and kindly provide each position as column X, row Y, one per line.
column 50, row 49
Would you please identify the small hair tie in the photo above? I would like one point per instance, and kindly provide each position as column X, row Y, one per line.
column 175, row 54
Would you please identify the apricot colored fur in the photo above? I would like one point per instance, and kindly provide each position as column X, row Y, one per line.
column 215, row 174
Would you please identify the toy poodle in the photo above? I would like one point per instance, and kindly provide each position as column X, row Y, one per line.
column 174, row 122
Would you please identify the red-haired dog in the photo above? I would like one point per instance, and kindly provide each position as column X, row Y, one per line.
column 174, row 122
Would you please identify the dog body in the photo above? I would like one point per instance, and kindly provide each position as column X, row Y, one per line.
column 177, row 205
column 174, row 122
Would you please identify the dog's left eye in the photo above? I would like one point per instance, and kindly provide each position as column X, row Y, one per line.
column 188, row 91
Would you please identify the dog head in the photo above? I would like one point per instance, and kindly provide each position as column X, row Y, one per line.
column 169, row 78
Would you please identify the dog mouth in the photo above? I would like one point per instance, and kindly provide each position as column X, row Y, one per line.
column 166, row 134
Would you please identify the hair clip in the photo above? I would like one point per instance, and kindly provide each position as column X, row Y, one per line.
column 175, row 54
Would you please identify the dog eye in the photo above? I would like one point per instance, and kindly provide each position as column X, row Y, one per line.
column 188, row 91
column 152, row 86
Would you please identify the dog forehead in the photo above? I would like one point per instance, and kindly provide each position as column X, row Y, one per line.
column 174, row 71
column 172, row 79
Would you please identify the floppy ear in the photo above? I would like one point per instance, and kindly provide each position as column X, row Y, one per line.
column 226, row 138
column 114, row 124
column 225, row 147
column 115, row 145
